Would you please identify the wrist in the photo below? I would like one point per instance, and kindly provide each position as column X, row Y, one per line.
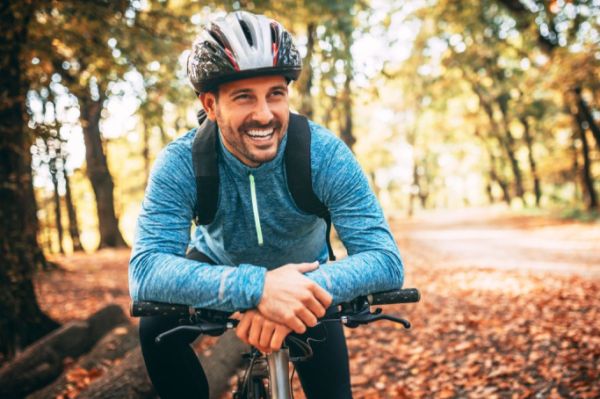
column 247, row 288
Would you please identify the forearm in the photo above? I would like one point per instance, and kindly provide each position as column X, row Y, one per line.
column 360, row 274
column 163, row 277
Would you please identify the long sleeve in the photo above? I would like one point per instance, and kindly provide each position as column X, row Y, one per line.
column 158, row 269
column 373, row 263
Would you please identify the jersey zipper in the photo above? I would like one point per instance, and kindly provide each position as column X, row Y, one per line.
column 255, row 210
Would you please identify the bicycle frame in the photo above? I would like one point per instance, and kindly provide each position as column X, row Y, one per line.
column 279, row 374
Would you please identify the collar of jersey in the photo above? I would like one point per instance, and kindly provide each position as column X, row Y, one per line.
column 239, row 168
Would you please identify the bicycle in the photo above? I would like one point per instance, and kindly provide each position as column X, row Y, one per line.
column 268, row 376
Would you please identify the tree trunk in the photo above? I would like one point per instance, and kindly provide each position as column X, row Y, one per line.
column 32, row 222
column 503, row 185
column 347, row 131
column 22, row 320
column 129, row 379
column 505, row 145
column 489, row 193
column 306, row 79
column 98, row 173
column 509, row 144
column 575, row 169
column 111, row 347
column 72, row 213
column 587, row 116
column 146, row 152
column 588, row 180
column 57, row 208
column 494, row 177
column 532, row 165
column 42, row 362
column 416, row 191
column 506, row 141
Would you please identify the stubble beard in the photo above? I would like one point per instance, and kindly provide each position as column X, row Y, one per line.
column 238, row 146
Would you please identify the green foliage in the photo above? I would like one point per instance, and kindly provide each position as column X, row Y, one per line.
column 503, row 71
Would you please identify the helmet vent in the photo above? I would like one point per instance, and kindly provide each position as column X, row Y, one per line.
column 246, row 30
column 217, row 38
column 274, row 33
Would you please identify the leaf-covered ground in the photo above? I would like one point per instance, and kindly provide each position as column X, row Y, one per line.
column 530, row 330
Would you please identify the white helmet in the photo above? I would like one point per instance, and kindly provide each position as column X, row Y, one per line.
column 241, row 45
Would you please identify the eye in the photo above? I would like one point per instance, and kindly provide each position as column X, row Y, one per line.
column 241, row 97
column 278, row 93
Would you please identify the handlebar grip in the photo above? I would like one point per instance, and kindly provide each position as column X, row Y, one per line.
column 148, row 308
column 406, row 295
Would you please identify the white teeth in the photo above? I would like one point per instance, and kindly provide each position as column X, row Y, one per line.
column 260, row 133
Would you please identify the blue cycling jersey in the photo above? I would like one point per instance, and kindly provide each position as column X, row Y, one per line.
column 258, row 227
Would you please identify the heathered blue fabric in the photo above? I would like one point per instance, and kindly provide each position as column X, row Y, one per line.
column 158, row 270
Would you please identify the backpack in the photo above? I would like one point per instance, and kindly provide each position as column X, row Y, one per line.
column 297, row 169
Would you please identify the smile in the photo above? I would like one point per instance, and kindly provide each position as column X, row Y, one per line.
column 261, row 134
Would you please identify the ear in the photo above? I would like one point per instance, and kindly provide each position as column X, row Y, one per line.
column 209, row 102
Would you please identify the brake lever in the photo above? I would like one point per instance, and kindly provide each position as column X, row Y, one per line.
column 405, row 323
column 191, row 332
column 354, row 321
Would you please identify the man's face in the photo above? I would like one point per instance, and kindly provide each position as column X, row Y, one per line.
column 252, row 115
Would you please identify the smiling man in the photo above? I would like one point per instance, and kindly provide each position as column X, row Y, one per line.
column 258, row 247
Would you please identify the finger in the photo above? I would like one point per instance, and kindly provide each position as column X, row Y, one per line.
column 306, row 267
column 255, row 329
column 236, row 316
column 322, row 295
column 278, row 336
column 307, row 317
column 315, row 307
column 243, row 327
column 265, row 335
column 295, row 324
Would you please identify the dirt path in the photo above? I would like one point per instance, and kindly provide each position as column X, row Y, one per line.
column 484, row 238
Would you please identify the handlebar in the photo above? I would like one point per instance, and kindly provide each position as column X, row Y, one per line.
column 407, row 295
column 214, row 322
column 150, row 308
column 194, row 321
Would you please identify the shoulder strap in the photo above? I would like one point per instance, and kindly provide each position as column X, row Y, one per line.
column 206, row 170
column 298, row 173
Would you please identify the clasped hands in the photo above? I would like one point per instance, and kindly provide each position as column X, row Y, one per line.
column 290, row 302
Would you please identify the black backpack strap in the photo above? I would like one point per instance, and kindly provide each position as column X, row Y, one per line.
column 206, row 170
column 298, row 173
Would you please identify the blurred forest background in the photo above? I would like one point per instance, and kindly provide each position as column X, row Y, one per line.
column 446, row 104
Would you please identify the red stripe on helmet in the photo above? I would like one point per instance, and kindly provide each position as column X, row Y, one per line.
column 275, row 49
column 232, row 59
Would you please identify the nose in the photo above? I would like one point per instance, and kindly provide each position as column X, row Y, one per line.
column 262, row 112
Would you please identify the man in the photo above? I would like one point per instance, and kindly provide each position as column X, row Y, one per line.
column 260, row 253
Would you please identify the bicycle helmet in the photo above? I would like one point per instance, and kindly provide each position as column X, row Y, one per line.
column 238, row 46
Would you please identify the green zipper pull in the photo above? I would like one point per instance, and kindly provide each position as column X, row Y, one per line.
column 255, row 210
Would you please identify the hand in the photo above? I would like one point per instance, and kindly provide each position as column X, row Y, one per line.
column 260, row 332
column 291, row 298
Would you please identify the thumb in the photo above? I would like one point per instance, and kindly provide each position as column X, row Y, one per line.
column 307, row 267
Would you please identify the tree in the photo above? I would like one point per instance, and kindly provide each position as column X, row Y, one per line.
column 127, row 36
column 22, row 320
